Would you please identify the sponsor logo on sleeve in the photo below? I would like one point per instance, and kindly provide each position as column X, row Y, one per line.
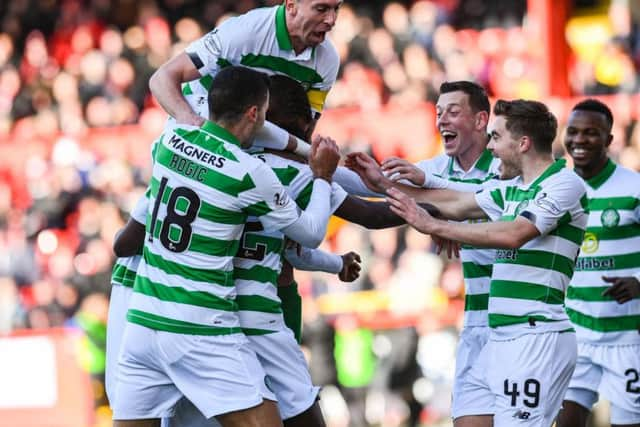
column 546, row 203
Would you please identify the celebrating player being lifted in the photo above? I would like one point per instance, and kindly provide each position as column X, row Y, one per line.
column 289, row 39
column 539, row 222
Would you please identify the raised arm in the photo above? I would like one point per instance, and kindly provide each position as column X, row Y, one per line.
column 165, row 85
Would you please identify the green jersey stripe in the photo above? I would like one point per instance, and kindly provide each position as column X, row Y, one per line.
column 202, row 174
column 614, row 233
column 476, row 302
column 219, row 277
column 541, row 259
column 256, row 331
column 257, row 273
column 166, row 324
column 471, row 270
column 305, row 196
column 525, row 290
column 258, row 303
column 207, row 211
column 496, row 195
column 202, row 244
column 286, row 175
column 498, row 320
column 183, row 296
column 123, row 276
column 617, row 262
column 257, row 209
column 515, row 194
column 590, row 293
column 569, row 232
column 605, row 324
column 619, row 203
column 280, row 65
column 469, row 180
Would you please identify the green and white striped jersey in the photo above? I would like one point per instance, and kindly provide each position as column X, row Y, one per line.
column 528, row 284
column 611, row 247
column 476, row 263
column 259, row 260
column 124, row 271
column 203, row 189
column 259, row 39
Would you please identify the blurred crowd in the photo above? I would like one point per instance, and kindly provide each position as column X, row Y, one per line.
column 70, row 68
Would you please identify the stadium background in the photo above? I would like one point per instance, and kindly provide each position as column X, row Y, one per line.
column 76, row 121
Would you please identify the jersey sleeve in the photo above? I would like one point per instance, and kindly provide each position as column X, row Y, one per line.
column 210, row 52
column 268, row 200
column 491, row 201
column 330, row 63
column 139, row 212
column 554, row 201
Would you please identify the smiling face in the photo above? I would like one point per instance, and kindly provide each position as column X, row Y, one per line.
column 309, row 21
column 587, row 138
column 456, row 122
column 504, row 146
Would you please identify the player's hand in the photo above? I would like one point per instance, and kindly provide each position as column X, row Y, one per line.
column 452, row 247
column 400, row 169
column 406, row 208
column 369, row 171
column 324, row 158
column 350, row 267
column 624, row 289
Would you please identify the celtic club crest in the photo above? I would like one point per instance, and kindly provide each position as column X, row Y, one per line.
column 610, row 218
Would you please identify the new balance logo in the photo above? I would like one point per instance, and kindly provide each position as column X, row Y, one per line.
column 522, row 415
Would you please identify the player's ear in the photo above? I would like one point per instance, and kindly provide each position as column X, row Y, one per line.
column 525, row 143
column 482, row 120
column 252, row 113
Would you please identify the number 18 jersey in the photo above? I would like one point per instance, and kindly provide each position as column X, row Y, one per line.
column 203, row 189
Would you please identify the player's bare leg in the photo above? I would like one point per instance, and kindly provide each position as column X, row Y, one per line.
column 572, row 415
column 474, row 421
column 312, row 417
column 264, row 415
column 152, row 422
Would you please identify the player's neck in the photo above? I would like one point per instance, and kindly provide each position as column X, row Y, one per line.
column 240, row 129
column 468, row 158
column 534, row 166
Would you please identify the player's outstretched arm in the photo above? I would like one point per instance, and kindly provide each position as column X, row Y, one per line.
column 451, row 204
column 502, row 234
column 346, row 266
column 373, row 215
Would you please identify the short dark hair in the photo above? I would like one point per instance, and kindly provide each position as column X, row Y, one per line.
column 595, row 106
column 235, row 89
column 478, row 99
column 529, row 118
column 289, row 105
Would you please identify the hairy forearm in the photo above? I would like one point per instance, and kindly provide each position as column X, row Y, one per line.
column 501, row 235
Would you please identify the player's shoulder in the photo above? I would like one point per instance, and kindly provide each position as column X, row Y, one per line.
column 437, row 165
column 628, row 175
column 327, row 52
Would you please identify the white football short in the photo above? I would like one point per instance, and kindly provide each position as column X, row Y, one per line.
column 528, row 377
column 117, row 320
column 613, row 371
column 218, row 374
column 468, row 397
column 287, row 376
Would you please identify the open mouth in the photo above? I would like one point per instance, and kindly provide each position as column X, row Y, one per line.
column 448, row 136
